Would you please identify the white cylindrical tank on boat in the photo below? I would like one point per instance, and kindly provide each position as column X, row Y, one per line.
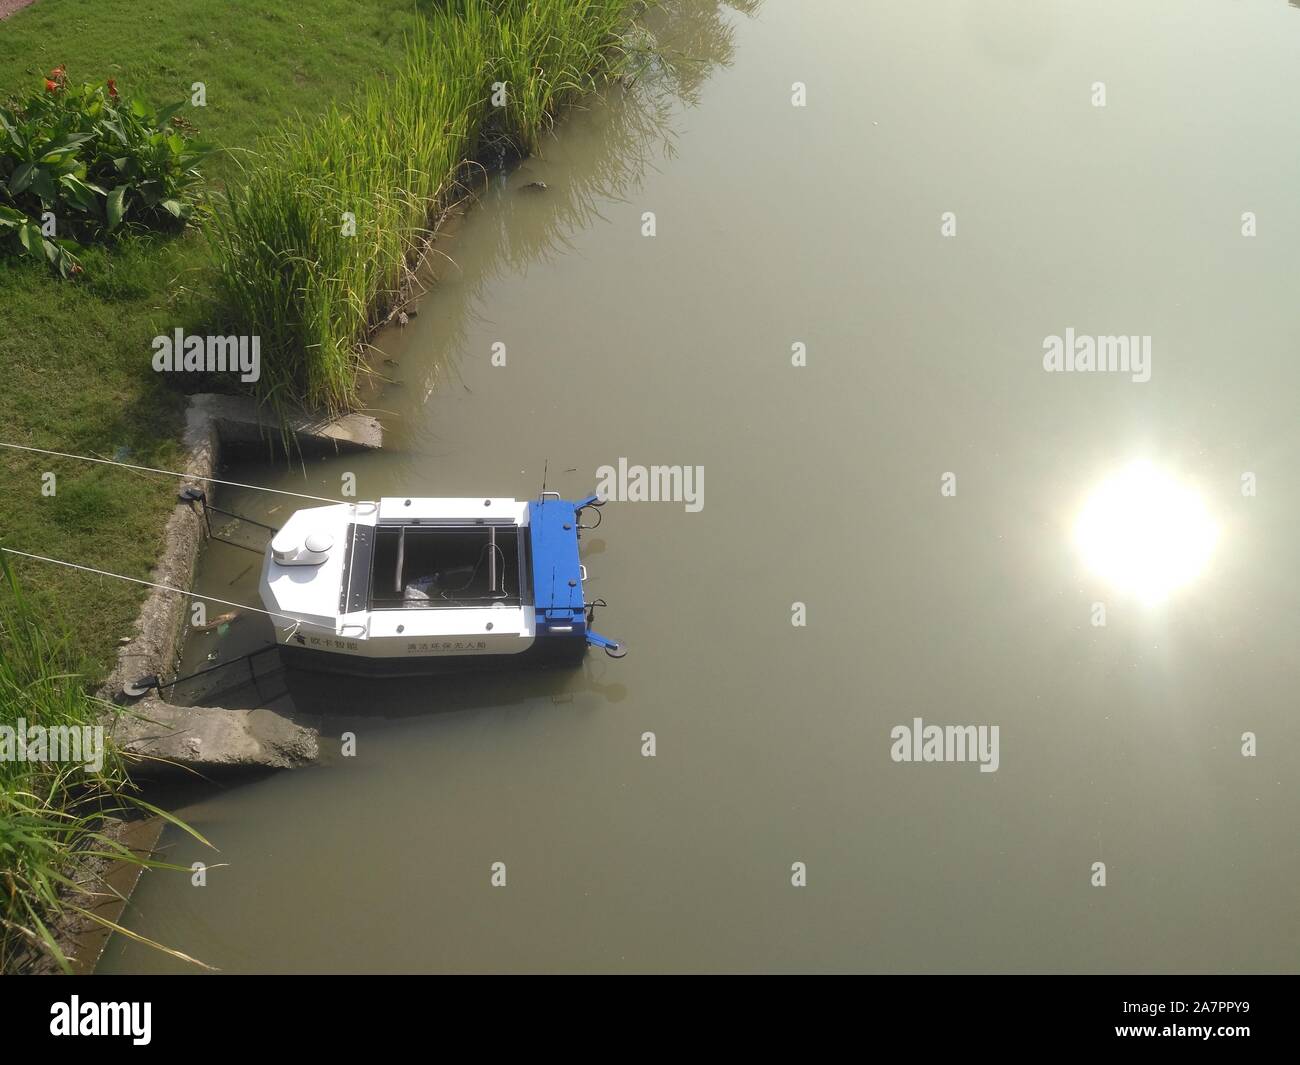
column 287, row 550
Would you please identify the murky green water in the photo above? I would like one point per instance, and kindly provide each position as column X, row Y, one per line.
column 776, row 224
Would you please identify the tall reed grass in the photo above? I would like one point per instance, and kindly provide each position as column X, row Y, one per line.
column 53, row 814
column 391, row 158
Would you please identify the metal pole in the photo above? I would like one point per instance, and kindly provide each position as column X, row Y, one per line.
column 401, row 555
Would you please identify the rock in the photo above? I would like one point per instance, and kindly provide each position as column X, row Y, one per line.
column 211, row 740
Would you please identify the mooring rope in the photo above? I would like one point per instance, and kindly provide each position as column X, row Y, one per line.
column 150, row 584
column 167, row 473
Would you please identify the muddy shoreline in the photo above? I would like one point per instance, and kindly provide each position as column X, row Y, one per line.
column 10, row 7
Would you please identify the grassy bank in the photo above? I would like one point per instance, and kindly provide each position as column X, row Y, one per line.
column 314, row 240
column 75, row 357
column 52, row 812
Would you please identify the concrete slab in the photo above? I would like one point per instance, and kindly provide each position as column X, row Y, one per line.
column 210, row 740
column 239, row 420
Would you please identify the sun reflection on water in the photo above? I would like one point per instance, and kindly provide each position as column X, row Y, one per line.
column 1145, row 533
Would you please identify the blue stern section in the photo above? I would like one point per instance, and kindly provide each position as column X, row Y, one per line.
column 557, row 573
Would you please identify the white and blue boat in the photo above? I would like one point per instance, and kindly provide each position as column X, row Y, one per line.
column 416, row 586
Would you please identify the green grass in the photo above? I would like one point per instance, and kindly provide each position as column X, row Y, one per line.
column 52, row 812
column 74, row 358
column 258, row 61
column 390, row 158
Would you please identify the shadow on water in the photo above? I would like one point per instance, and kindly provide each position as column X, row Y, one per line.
column 308, row 697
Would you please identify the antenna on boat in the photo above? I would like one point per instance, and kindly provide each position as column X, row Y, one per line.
column 545, row 467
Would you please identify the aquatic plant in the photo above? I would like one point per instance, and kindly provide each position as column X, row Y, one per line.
column 315, row 239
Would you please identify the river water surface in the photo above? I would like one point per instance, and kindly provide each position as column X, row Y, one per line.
column 825, row 485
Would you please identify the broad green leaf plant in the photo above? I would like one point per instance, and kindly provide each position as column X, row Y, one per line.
column 79, row 165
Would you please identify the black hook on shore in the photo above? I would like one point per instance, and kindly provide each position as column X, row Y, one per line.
column 191, row 495
column 136, row 688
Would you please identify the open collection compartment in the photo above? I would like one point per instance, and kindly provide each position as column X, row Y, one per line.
column 447, row 566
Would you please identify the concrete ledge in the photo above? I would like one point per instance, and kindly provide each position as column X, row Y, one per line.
column 211, row 740
column 239, row 420
column 155, row 646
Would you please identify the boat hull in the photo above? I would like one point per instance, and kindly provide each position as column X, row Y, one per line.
column 560, row 653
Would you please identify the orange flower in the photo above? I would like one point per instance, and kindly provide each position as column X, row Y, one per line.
column 112, row 89
column 50, row 86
